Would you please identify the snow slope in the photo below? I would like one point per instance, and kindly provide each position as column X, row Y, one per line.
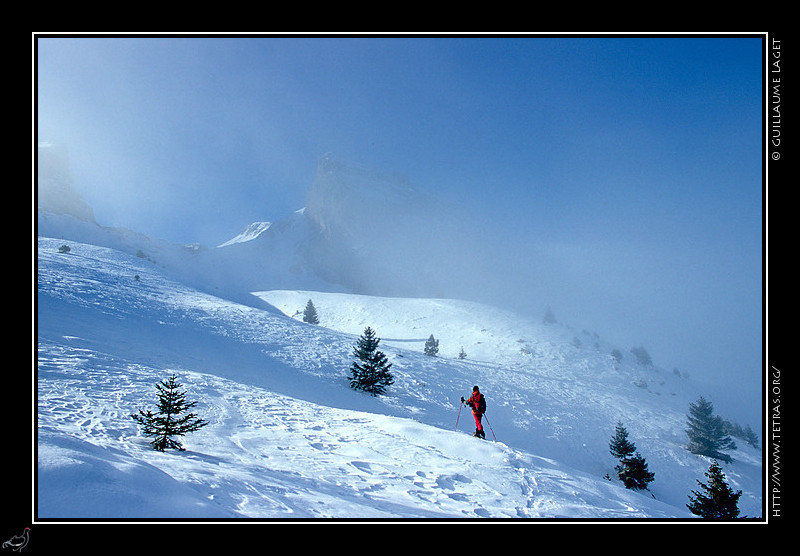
column 288, row 438
column 251, row 232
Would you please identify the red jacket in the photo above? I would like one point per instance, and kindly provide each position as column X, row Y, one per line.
column 477, row 402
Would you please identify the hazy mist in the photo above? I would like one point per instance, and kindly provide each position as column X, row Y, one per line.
column 618, row 181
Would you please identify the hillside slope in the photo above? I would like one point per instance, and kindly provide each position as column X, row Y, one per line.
column 288, row 437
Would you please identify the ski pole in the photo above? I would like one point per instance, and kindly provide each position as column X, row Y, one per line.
column 459, row 414
column 490, row 427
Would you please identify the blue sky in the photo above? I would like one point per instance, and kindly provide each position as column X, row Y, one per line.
column 632, row 164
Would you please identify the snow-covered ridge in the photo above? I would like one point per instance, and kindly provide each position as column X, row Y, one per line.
column 251, row 232
column 288, row 437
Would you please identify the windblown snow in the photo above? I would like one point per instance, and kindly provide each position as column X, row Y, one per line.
column 289, row 438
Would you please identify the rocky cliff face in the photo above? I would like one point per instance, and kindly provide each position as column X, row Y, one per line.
column 358, row 205
column 362, row 231
column 54, row 191
column 374, row 230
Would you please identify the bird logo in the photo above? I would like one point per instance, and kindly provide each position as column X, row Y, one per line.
column 18, row 542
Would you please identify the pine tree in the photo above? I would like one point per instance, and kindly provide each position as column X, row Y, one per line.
column 431, row 346
column 310, row 313
column 619, row 446
column 746, row 433
column 370, row 372
column 169, row 422
column 706, row 432
column 717, row 500
column 462, row 354
column 633, row 472
column 750, row 436
column 642, row 357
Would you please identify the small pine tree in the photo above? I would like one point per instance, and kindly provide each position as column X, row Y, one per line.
column 169, row 421
column 750, row 436
column 310, row 313
column 642, row 357
column 706, row 432
column 370, row 372
column 718, row 500
column 746, row 433
column 462, row 354
column 633, row 472
column 619, row 446
column 549, row 316
column 431, row 346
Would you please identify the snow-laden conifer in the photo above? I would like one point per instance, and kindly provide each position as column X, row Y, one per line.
column 717, row 499
column 310, row 313
column 170, row 420
column 707, row 432
column 370, row 371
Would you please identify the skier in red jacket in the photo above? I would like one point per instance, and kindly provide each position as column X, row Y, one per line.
column 478, row 404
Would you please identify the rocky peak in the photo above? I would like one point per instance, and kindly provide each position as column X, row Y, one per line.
column 349, row 201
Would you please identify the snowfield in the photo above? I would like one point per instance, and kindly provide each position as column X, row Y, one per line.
column 289, row 439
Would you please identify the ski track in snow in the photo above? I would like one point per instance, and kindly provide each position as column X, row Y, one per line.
column 317, row 449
